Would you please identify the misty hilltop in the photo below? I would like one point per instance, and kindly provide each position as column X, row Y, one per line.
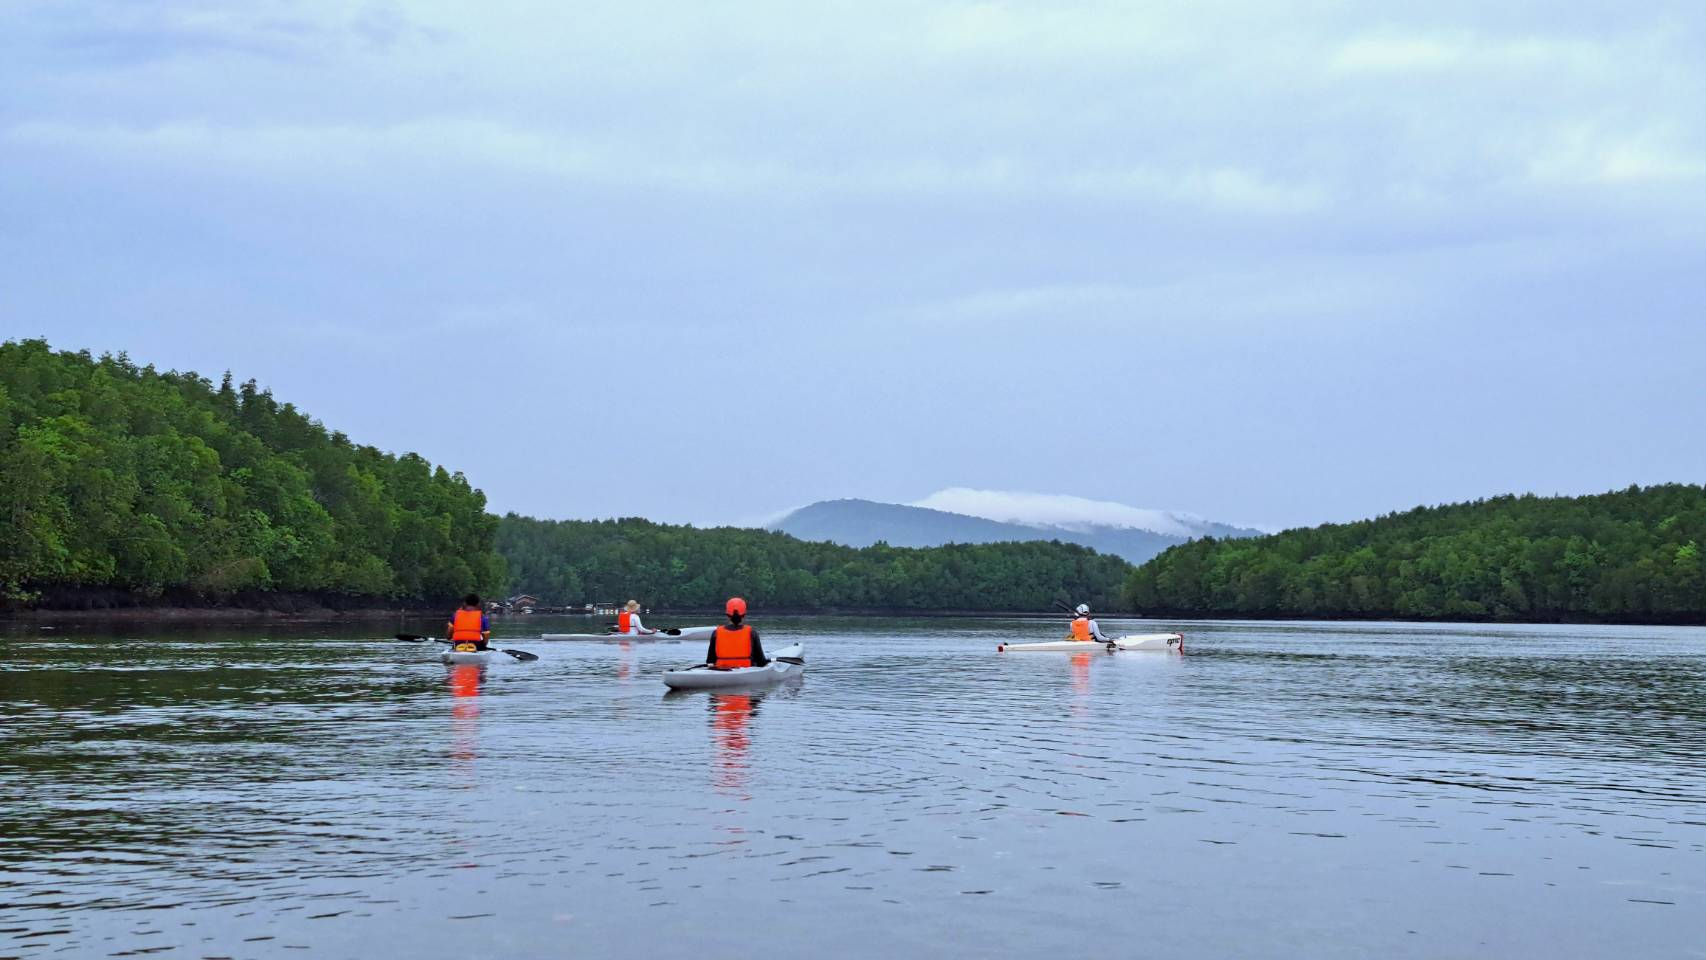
column 994, row 517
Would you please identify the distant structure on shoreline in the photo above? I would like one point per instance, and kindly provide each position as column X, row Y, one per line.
column 525, row 603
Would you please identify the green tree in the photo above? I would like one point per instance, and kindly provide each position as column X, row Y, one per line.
column 119, row 476
column 575, row 561
column 1627, row 555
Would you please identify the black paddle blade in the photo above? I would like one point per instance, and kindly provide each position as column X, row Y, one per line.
column 523, row 655
column 411, row 637
column 673, row 631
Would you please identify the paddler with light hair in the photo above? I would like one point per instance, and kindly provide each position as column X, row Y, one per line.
column 1084, row 628
column 628, row 621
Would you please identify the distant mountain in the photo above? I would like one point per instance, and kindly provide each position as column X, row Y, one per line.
column 860, row 523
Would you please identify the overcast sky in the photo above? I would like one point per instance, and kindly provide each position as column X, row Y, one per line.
column 1267, row 263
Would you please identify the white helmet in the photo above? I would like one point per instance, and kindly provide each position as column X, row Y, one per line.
column 1083, row 608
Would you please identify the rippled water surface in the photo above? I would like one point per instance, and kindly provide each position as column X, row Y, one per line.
column 1284, row 790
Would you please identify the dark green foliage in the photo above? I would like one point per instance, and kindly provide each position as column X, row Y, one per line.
column 671, row 566
column 117, row 476
column 1631, row 555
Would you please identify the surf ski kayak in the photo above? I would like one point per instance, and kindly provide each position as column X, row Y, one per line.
column 1151, row 641
column 687, row 634
column 1137, row 641
column 1052, row 646
column 703, row 677
column 466, row 656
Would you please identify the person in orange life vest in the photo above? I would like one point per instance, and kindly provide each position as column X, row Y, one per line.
column 1084, row 628
column 468, row 625
column 628, row 621
column 735, row 645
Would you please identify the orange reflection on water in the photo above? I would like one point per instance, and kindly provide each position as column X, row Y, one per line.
column 1080, row 665
column 465, row 710
column 730, row 714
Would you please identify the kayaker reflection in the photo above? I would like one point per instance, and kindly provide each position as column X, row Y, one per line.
column 1084, row 628
column 736, row 644
column 469, row 629
column 1080, row 666
column 465, row 711
column 625, row 662
column 628, row 620
column 730, row 713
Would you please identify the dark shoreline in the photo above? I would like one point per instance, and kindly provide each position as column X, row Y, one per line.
column 196, row 615
column 232, row 614
column 109, row 605
column 1376, row 618
column 306, row 610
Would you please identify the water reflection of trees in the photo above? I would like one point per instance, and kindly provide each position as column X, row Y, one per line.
column 1619, row 709
column 83, row 740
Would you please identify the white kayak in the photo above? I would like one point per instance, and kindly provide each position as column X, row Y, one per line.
column 466, row 656
column 703, row 677
column 1164, row 642
column 1137, row 641
column 686, row 634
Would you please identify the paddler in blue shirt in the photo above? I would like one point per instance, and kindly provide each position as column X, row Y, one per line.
column 735, row 645
column 469, row 629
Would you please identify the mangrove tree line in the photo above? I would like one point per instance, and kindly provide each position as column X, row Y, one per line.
column 119, row 476
column 681, row 566
column 1631, row 555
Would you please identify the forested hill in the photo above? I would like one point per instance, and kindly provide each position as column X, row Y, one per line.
column 142, row 483
column 687, row 567
column 1632, row 556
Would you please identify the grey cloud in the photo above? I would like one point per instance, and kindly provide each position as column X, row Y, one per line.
column 1283, row 264
column 95, row 34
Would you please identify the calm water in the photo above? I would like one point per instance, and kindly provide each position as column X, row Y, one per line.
column 1296, row 790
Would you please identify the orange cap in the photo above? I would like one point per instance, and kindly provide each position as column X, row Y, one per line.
column 734, row 606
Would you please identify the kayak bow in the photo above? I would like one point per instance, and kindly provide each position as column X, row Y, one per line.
column 1151, row 641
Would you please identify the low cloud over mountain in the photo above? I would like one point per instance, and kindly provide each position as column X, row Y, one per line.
column 963, row 515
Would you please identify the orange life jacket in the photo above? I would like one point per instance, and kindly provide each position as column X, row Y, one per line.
column 465, row 627
column 734, row 646
column 1081, row 628
column 624, row 622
